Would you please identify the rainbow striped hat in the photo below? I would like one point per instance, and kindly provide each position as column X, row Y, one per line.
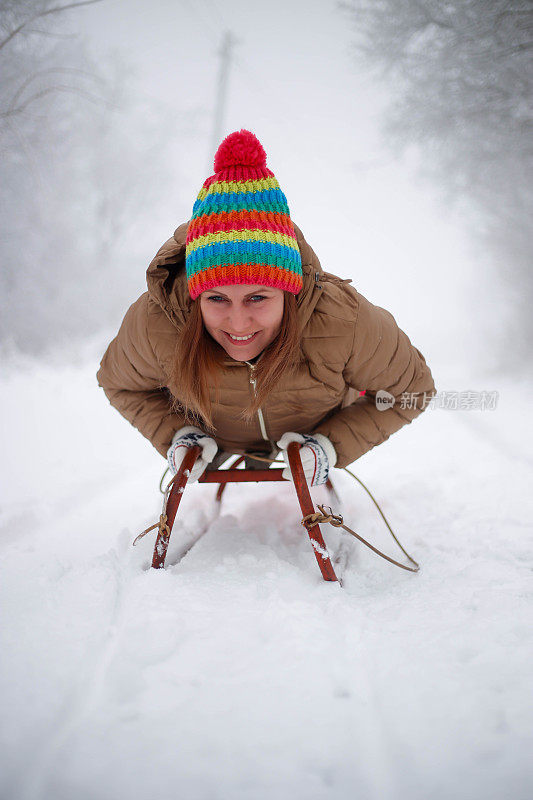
column 240, row 230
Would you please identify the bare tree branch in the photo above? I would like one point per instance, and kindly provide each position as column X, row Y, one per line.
column 52, row 34
column 49, row 71
column 74, row 90
column 45, row 12
column 15, row 107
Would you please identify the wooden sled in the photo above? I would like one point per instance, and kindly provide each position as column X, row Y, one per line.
column 233, row 475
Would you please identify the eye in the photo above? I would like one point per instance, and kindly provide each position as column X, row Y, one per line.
column 256, row 297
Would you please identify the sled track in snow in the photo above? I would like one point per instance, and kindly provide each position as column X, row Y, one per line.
column 83, row 697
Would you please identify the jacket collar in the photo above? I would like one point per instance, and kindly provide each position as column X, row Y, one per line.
column 166, row 278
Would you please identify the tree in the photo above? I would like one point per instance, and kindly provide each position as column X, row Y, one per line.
column 462, row 80
column 82, row 157
column 17, row 35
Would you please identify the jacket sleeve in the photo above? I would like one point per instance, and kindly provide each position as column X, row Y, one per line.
column 134, row 381
column 381, row 358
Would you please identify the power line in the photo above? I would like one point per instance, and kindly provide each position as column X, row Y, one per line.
column 205, row 23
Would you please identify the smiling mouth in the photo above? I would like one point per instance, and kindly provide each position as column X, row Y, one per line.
column 241, row 339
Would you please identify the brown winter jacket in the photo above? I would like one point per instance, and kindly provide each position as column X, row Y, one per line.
column 348, row 345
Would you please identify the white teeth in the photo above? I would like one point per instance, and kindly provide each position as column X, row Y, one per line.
column 240, row 338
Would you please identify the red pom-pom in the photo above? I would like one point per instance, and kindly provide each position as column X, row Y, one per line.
column 240, row 148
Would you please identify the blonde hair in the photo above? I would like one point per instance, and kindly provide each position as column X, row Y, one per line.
column 198, row 364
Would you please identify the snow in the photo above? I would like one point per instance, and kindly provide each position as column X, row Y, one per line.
column 237, row 672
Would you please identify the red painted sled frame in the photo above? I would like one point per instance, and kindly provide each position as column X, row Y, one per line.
column 232, row 475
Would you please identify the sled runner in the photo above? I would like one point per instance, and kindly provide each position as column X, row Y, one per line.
column 234, row 475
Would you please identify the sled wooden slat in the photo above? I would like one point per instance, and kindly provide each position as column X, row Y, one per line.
column 222, row 486
column 240, row 475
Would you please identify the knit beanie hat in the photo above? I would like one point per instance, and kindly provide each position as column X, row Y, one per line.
column 240, row 230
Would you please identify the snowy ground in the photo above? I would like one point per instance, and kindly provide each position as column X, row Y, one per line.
column 238, row 673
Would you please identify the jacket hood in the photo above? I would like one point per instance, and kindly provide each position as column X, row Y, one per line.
column 166, row 278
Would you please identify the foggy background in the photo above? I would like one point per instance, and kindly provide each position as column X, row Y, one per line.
column 399, row 132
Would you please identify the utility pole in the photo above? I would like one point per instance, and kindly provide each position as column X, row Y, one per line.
column 228, row 41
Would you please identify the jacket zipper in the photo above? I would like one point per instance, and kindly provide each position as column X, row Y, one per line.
column 259, row 411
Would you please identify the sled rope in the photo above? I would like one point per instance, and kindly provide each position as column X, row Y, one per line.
column 161, row 525
column 369, row 493
column 337, row 521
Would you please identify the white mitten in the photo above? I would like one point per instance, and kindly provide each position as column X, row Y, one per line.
column 317, row 454
column 183, row 439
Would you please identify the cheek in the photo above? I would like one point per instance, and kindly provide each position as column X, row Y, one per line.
column 269, row 318
column 277, row 316
column 210, row 314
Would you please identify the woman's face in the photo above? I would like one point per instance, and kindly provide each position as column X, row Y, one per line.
column 242, row 310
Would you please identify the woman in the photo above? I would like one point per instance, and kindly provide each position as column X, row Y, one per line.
column 242, row 342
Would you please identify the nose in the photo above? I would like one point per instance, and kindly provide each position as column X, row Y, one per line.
column 239, row 320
